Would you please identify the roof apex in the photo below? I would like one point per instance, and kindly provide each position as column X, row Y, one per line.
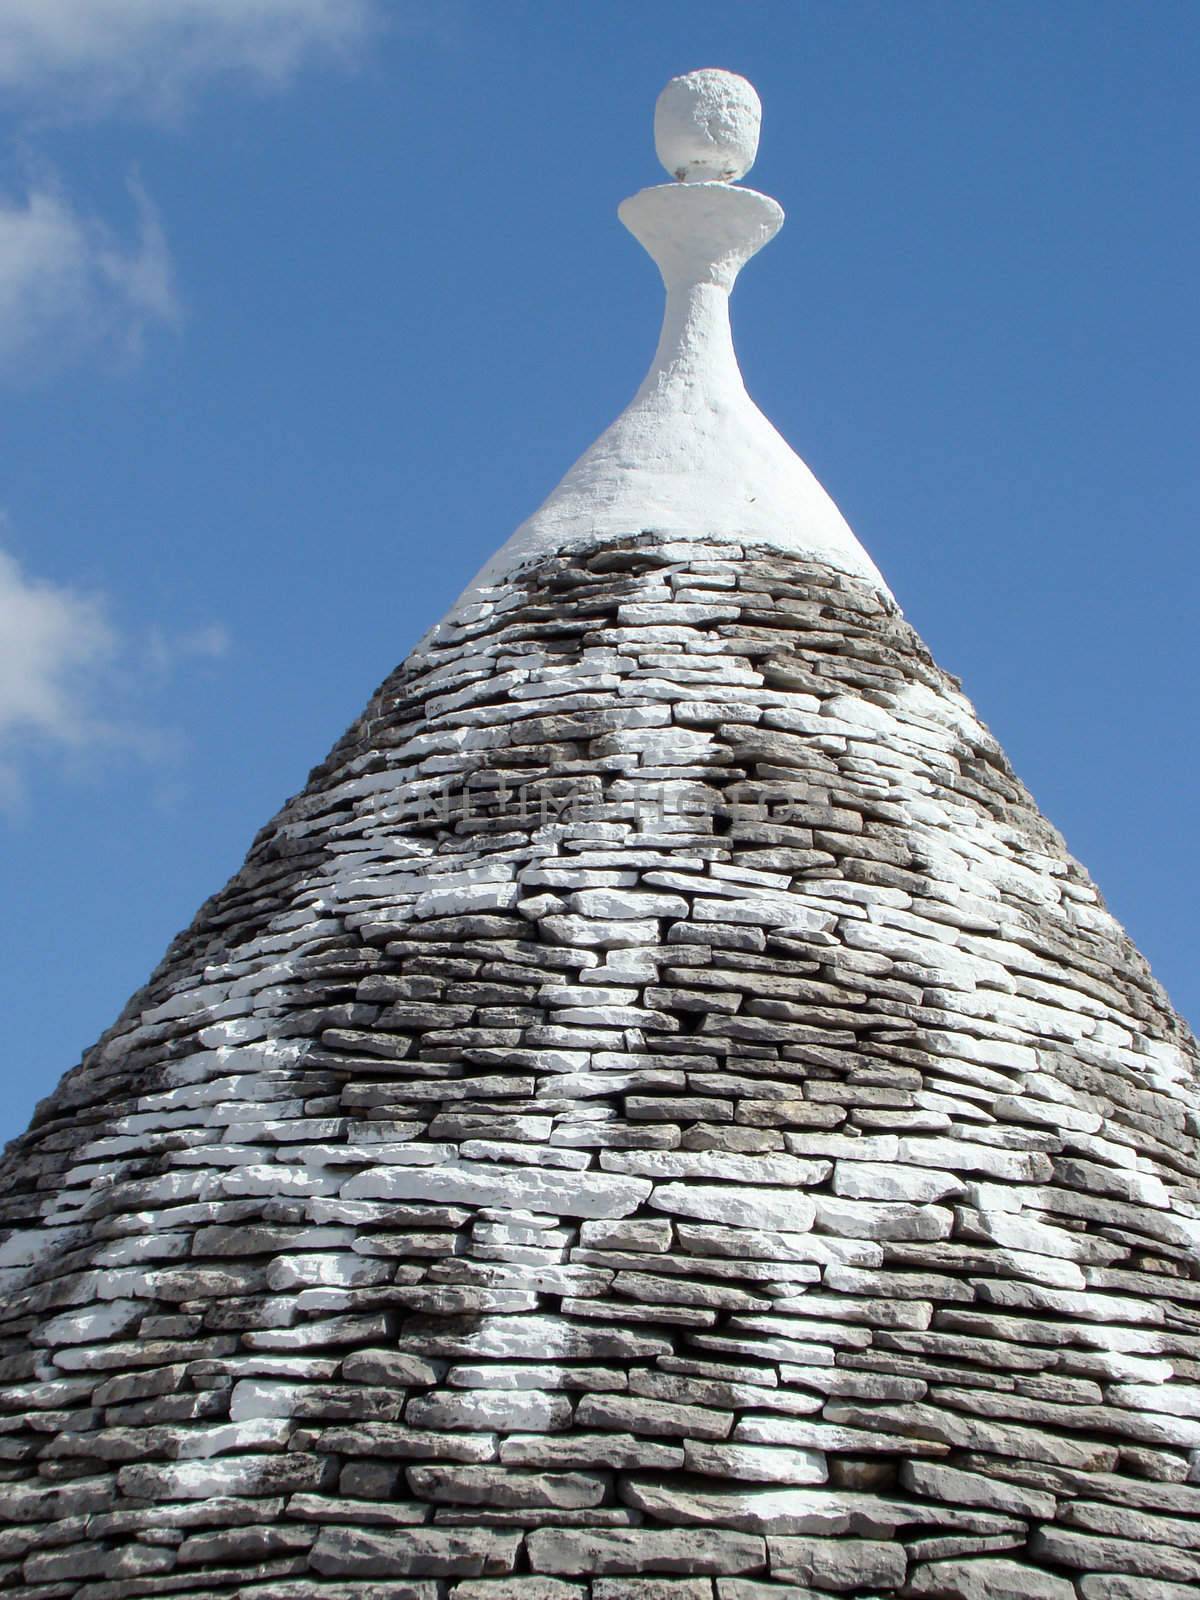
column 692, row 456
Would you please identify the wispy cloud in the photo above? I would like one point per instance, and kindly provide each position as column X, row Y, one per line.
column 73, row 683
column 165, row 652
column 69, row 283
column 149, row 55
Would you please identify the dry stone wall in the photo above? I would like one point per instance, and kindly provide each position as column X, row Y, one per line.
column 660, row 1115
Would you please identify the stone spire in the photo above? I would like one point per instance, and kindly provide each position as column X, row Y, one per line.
column 692, row 456
column 660, row 1116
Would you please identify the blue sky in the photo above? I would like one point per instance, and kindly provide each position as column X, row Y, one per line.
column 305, row 304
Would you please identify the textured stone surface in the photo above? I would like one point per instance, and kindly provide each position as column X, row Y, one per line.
column 660, row 1114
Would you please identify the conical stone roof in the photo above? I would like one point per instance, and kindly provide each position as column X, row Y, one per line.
column 660, row 1115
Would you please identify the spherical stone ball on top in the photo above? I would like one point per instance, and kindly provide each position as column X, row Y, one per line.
column 706, row 126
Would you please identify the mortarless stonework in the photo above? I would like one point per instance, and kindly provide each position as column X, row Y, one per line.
column 770, row 1171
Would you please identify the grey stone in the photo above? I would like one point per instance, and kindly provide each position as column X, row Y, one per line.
column 699, row 1550
column 950, row 1484
column 250, row 1545
column 1120, row 1586
column 388, row 1367
column 500, row 1486
column 839, row 1563
column 406, row 1444
column 652, row 1589
column 590, row 1450
column 657, row 1418
column 38, row 1502
column 345, row 1552
column 526, row 1587
column 360, row 1513
column 221, row 1511
column 302, row 1589
column 988, row 1579
column 750, row 1510
column 1093, row 1553
column 490, row 1410
column 370, row 1480
column 752, row 1589
column 1123, row 1522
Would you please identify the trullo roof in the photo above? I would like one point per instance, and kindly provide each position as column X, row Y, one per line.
column 660, row 1115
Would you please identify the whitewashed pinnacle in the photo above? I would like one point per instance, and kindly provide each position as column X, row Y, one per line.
column 692, row 456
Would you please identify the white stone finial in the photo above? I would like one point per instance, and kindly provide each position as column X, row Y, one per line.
column 692, row 456
column 706, row 126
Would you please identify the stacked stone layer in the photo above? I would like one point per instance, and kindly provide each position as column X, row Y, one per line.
column 660, row 1115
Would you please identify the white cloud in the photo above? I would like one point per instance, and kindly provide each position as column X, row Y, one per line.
column 71, row 682
column 52, row 641
column 69, row 282
column 96, row 54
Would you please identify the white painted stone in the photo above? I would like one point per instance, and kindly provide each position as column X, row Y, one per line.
column 561, row 994
column 560, row 1193
column 327, row 1269
column 784, row 912
column 622, row 904
column 1023, row 1234
column 724, row 1164
column 259, row 1433
column 149, row 1247
column 962, row 1155
column 1176, row 1399
column 757, row 1463
column 843, row 1147
column 783, row 1209
column 781, row 1246
column 195, row 1480
column 692, row 456
column 276, row 1180
column 990, row 1197
column 706, row 126
column 490, row 1410
column 869, row 1219
column 252, row 1400
column 1051, row 1270
column 877, row 1180
column 466, row 898
column 603, row 935
column 241, row 1030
